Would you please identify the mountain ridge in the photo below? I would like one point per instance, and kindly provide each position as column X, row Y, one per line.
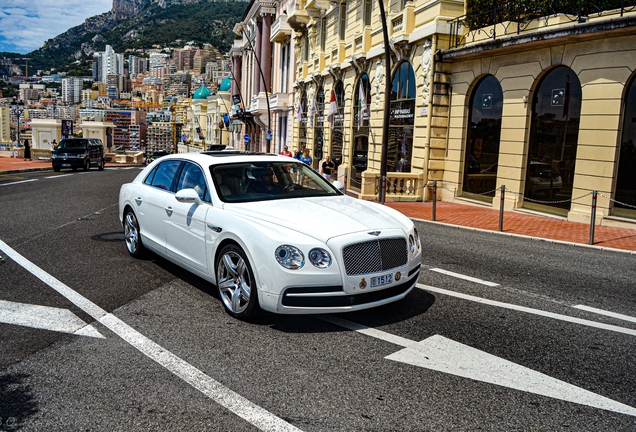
column 140, row 24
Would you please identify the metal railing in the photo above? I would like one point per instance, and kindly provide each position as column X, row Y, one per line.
column 519, row 16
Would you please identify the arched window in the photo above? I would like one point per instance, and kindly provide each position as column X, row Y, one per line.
column 302, row 121
column 402, row 117
column 317, row 116
column 556, row 113
column 483, row 138
column 337, row 125
column 626, row 178
column 361, row 114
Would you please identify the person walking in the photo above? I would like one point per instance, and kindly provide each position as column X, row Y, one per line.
column 305, row 158
column 286, row 152
column 27, row 150
column 326, row 168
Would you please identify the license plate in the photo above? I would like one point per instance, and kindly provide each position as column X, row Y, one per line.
column 66, row 165
column 381, row 280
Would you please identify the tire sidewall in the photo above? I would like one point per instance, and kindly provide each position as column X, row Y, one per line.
column 253, row 306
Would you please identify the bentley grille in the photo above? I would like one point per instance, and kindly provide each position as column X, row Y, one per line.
column 374, row 256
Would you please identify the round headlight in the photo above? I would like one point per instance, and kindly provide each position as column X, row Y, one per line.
column 320, row 258
column 417, row 239
column 411, row 243
column 289, row 257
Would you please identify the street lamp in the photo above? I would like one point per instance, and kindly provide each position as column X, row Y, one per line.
column 18, row 110
column 387, row 104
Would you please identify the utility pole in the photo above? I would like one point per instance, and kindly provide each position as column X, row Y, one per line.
column 387, row 105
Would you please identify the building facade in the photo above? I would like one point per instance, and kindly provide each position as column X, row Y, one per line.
column 537, row 105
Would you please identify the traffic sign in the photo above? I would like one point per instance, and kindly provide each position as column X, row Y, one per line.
column 246, row 137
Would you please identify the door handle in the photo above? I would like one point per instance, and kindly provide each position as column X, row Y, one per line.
column 169, row 210
column 138, row 200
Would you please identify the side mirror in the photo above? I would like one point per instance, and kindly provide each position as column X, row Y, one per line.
column 339, row 185
column 188, row 196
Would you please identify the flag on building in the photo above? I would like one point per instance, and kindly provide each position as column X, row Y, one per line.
column 332, row 107
column 362, row 105
column 312, row 111
column 299, row 112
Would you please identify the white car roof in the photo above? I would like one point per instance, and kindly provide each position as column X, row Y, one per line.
column 223, row 157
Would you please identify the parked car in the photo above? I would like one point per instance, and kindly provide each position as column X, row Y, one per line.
column 77, row 153
column 270, row 233
column 544, row 179
column 156, row 155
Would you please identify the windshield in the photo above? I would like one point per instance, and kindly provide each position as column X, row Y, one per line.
column 75, row 143
column 258, row 181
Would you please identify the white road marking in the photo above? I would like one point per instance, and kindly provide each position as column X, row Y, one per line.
column 17, row 182
column 560, row 317
column 606, row 313
column 242, row 407
column 58, row 176
column 46, row 318
column 468, row 278
column 447, row 356
column 375, row 333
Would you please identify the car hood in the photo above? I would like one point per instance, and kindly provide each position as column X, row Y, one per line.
column 323, row 218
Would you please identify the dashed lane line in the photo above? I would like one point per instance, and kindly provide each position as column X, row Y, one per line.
column 242, row 407
column 468, row 278
column 539, row 312
column 606, row 313
column 17, row 182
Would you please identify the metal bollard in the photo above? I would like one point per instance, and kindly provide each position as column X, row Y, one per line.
column 434, row 199
column 501, row 207
column 593, row 219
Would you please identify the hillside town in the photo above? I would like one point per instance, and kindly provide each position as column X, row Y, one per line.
column 481, row 103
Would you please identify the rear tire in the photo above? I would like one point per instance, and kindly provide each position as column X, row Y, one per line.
column 101, row 165
column 132, row 235
column 236, row 283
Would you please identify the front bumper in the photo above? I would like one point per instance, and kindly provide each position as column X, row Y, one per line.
column 333, row 299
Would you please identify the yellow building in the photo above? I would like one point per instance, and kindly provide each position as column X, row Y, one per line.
column 538, row 105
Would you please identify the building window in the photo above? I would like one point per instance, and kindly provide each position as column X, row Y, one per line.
column 302, row 126
column 317, row 115
column 337, row 125
column 305, row 46
column 361, row 111
column 625, row 204
column 342, row 20
column 323, row 34
column 482, row 140
column 401, row 119
column 556, row 113
column 368, row 9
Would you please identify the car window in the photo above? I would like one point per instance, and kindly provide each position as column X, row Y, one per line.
column 258, row 181
column 163, row 175
column 192, row 178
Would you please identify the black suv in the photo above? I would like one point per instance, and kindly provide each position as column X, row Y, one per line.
column 78, row 153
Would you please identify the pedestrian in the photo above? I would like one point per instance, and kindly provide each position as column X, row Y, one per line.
column 326, row 168
column 286, row 152
column 53, row 144
column 299, row 154
column 27, row 150
column 305, row 158
column 399, row 163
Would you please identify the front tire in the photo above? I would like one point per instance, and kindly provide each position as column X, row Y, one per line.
column 236, row 283
column 101, row 165
column 87, row 165
column 132, row 235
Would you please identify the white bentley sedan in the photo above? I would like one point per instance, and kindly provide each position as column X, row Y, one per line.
column 270, row 233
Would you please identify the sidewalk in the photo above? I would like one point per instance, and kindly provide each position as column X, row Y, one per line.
column 519, row 223
column 468, row 216
column 16, row 165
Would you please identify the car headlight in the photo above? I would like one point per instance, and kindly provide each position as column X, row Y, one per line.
column 412, row 245
column 418, row 242
column 290, row 257
column 53, row 156
column 320, row 258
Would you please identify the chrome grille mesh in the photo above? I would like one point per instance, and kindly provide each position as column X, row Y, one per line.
column 374, row 256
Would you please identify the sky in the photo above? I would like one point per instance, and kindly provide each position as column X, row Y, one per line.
column 26, row 24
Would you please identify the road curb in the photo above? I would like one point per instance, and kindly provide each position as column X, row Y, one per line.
column 562, row 242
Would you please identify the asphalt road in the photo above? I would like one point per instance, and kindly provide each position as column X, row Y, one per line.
column 498, row 335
